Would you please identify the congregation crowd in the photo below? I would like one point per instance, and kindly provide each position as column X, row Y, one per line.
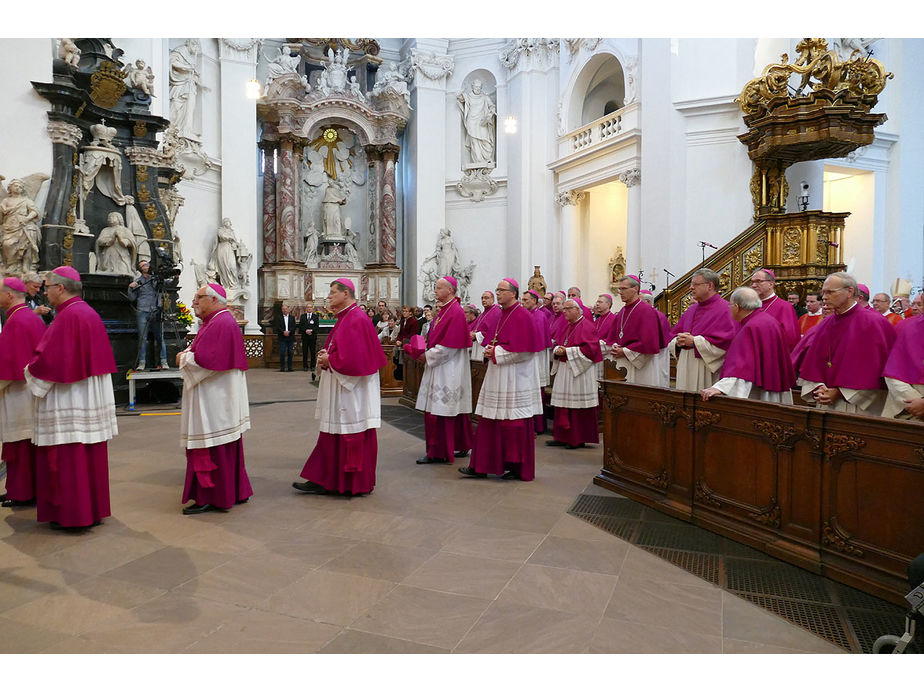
column 543, row 353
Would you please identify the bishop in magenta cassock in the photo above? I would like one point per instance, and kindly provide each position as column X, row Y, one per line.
column 603, row 321
column 842, row 367
column 758, row 363
column 702, row 335
column 574, row 292
column 904, row 372
column 349, row 402
column 445, row 394
column 484, row 324
column 531, row 301
column 574, row 392
column 216, row 410
column 509, row 397
column 18, row 340
column 69, row 375
column 638, row 338
column 763, row 281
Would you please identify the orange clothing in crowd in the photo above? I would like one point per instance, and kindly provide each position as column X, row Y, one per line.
column 807, row 322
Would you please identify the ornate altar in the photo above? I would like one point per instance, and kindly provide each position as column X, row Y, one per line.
column 330, row 125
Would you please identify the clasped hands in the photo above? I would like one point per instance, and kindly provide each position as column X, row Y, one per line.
column 324, row 360
column 826, row 395
column 684, row 339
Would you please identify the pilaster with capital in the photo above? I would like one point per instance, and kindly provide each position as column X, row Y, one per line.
column 269, row 202
column 377, row 166
column 287, row 203
column 632, row 179
column 570, row 203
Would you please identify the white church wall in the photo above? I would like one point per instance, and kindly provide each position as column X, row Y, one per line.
column 604, row 232
column 479, row 232
column 855, row 191
column 26, row 149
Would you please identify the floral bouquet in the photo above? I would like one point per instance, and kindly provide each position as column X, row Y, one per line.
column 183, row 315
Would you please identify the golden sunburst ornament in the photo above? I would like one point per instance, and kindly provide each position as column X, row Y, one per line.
column 330, row 135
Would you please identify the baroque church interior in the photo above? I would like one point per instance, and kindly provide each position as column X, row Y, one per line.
column 273, row 166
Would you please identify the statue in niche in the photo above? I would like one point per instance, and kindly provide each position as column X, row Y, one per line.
column 69, row 52
column 446, row 260
column 478, row 119
column 141, row 78
column 115, row 248
column 229, row 258
column 335, row 197
column 283, row 64
column 312, row 237
column 391, row 80
column 184, row 86
column 19, row 223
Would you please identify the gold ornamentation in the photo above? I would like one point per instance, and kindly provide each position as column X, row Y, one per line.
column 820, row 69
column 68, row 259
column 68, row 241
column 725, row 282
column 71, row 218
column 140, row 129
column 150, row 212
column 141, row 173
column 752, row 259
column 704, row 493
column 792, row 245
column 107, row 84
column 158, row 230
column 143, row 194
column 833, row 536
column 768, row 515
column 661, row 480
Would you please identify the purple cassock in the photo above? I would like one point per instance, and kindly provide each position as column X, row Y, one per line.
column 759, row 355
column 603, row 324
column 906, row 361
column 20, row 335
column 559, row 322
column 849, row 350
column 486, row 323
column 446, row 435
column 544, row 341
column 345, row 462
column 72, row 479
column 508, row 444
column 640, row 328
column 585, row 311
column 216, row 475
column 710, row 319
column 785, row 314
column 575, row 426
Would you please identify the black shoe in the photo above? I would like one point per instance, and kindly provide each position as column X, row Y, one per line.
column 312, row 377
column 555, row 443
column 10, row 503
column 468, row 471
column 282, row 370
column 64, row 528
column 199, row 509
column 460, row 453
column 311, row 487
column 242, row 501
column 575, row 447
column 510, row 474
column 432, row 460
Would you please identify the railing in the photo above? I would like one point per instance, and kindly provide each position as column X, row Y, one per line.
column 837, row 494
column 801, row 249
column 609, row 127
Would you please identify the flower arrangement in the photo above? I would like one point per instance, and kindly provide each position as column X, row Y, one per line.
column 183, row 315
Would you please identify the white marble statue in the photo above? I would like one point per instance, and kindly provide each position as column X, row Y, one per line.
column 20, row 221
column 446, row 260
column 333, row 79
column 201, row 274
column 229, row 258
column 115, row 248
column 69, row 52
column 349, row 248
column 335, row 197
column 312, row 238
column 390, row 80
column 141, row 77
column 478, row 121
column 184, row 86
column 282, row 64
column 356, row 90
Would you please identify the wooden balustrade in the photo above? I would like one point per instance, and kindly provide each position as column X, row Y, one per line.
column 837, row 494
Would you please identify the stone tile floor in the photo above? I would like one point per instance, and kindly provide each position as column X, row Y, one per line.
column 430, row 562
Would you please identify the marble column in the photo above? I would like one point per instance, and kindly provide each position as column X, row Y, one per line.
column 389, row 207
column 287, row 203
column 377, row 179
column 632, row 180
column 570, row 218
column 61, row 203
column 269, row 202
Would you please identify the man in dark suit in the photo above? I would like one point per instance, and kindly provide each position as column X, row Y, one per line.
column 284, row 327
column 308, row 325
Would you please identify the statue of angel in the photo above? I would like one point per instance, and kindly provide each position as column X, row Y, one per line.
column 19, row 223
